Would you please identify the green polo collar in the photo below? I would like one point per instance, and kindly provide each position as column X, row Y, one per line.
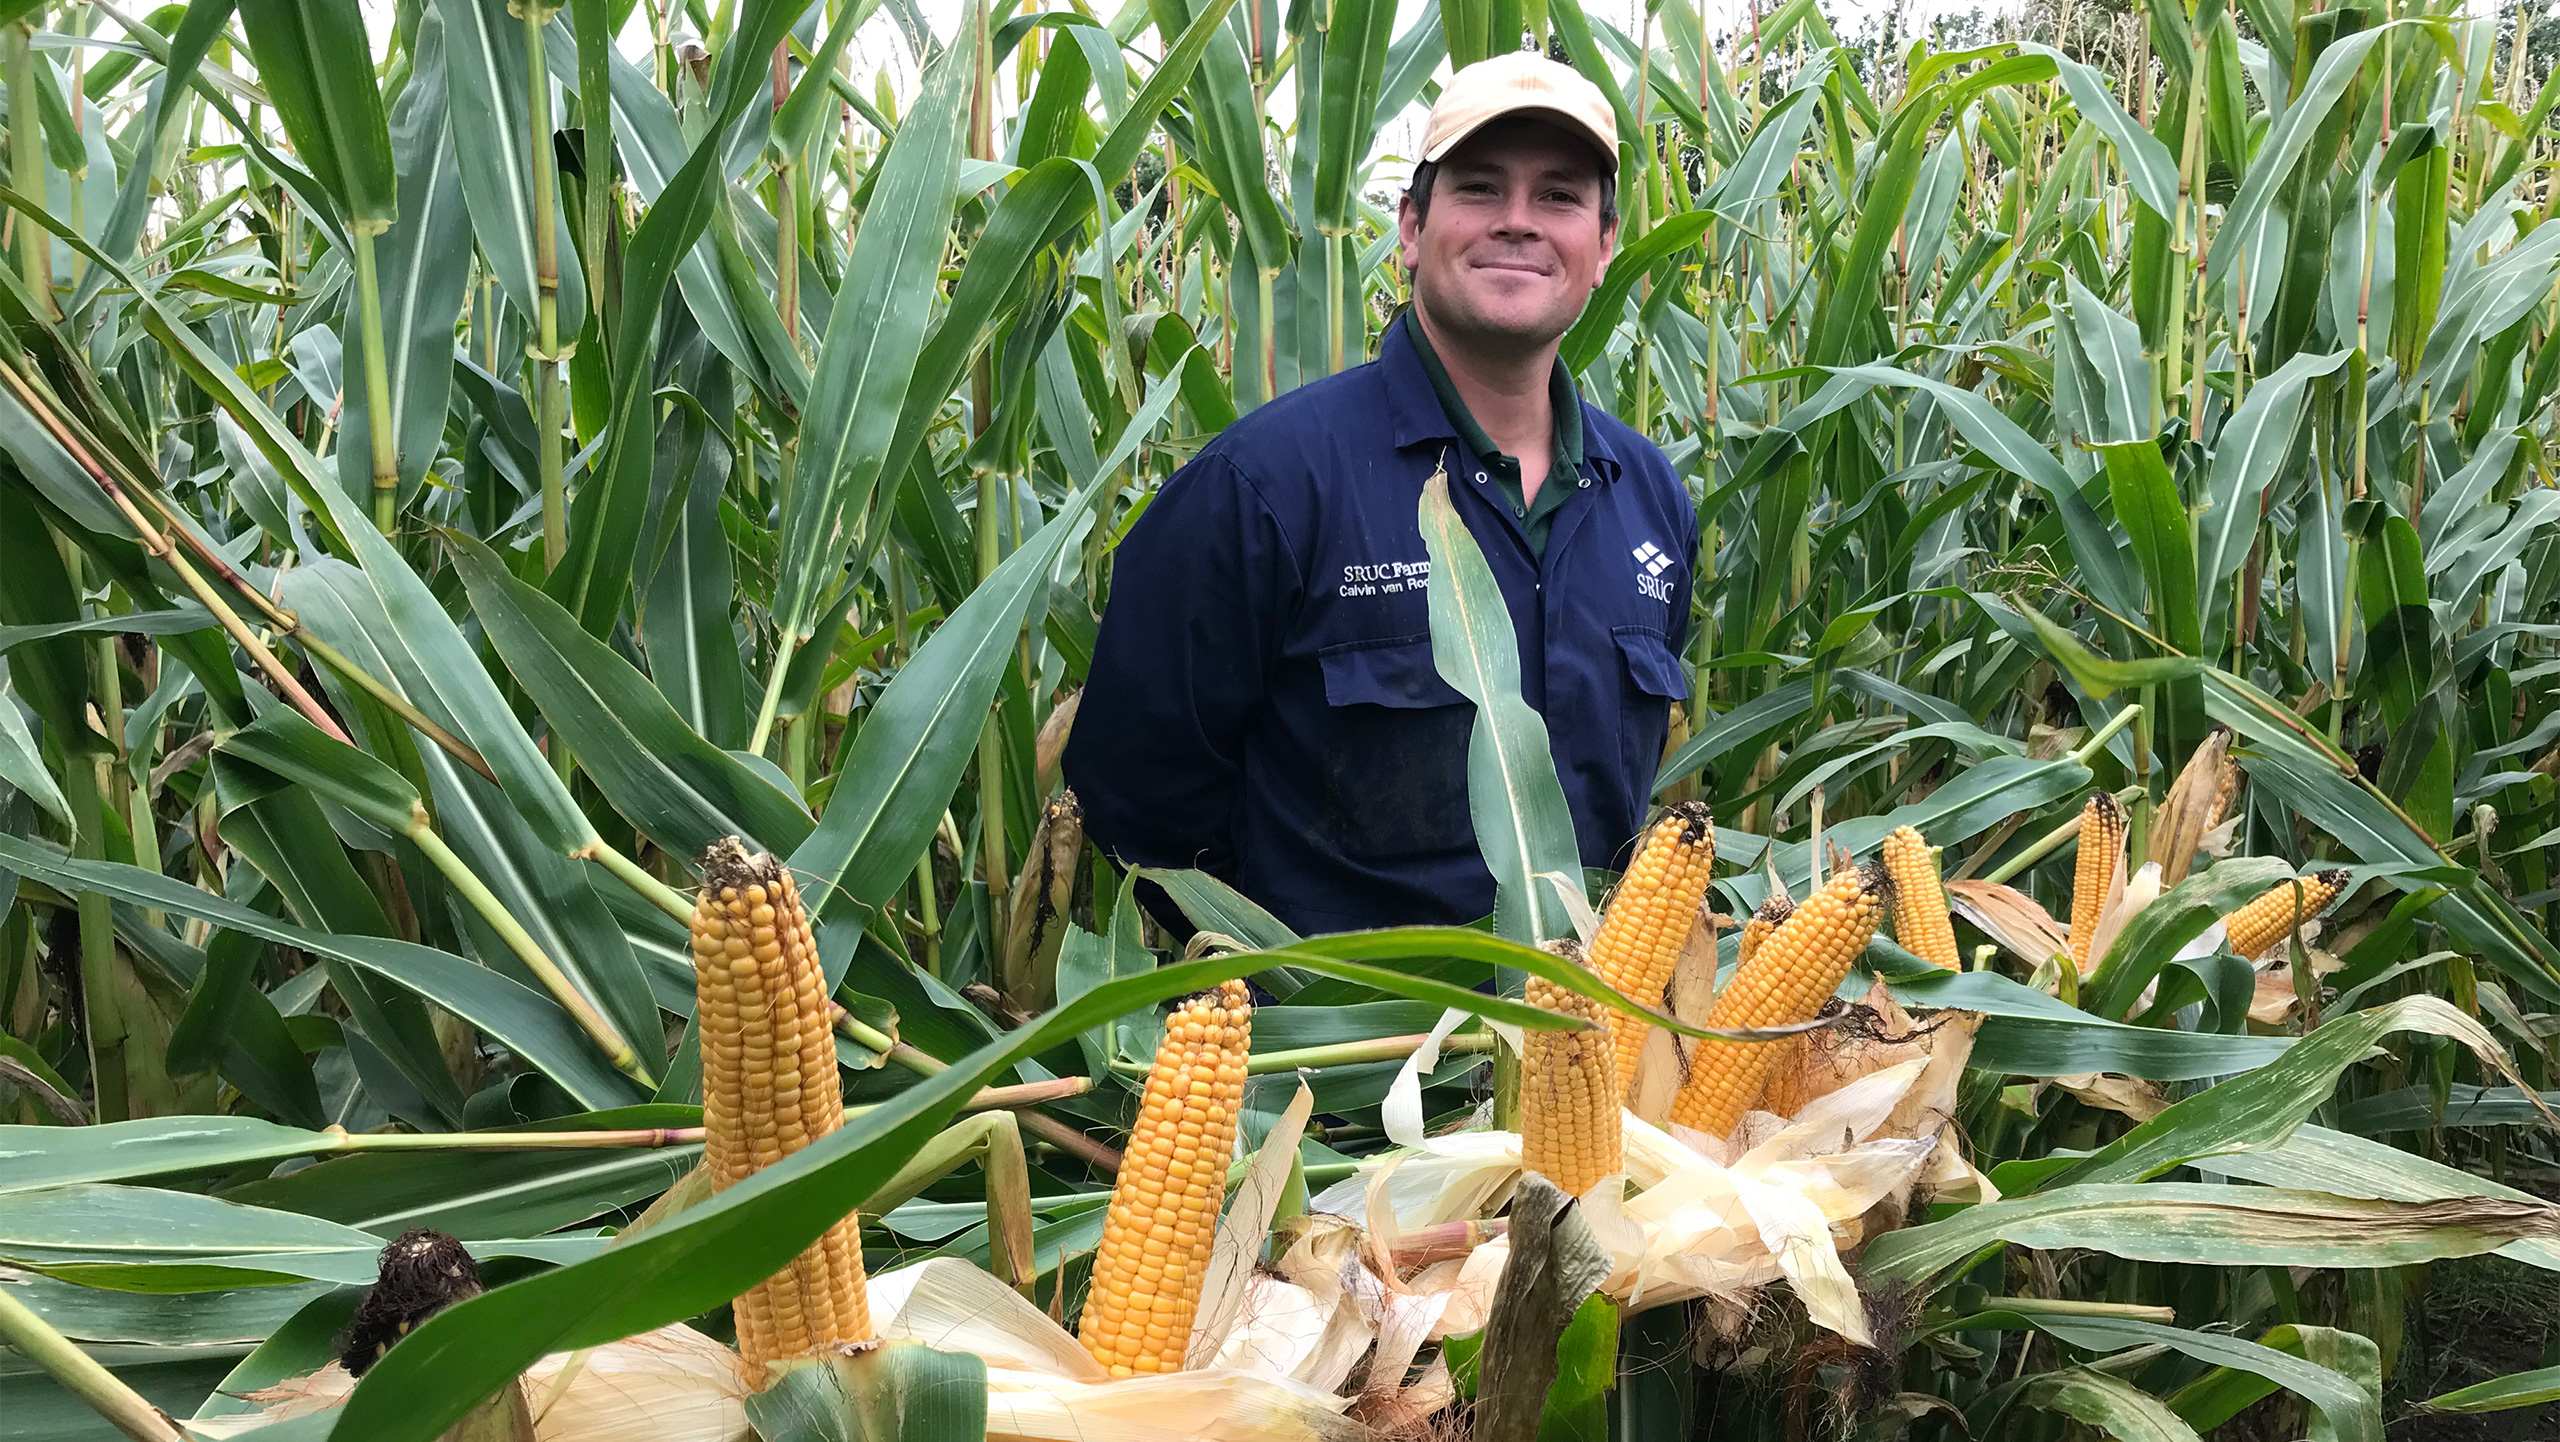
column 1535, row 518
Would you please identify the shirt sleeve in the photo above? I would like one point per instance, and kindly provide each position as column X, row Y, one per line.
column 1201, row 592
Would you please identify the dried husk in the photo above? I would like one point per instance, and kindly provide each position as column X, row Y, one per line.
column 2015, row 920
column 1698, row 1216
column 670, row 1385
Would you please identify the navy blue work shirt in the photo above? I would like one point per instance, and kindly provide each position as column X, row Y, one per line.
column 1263, row 704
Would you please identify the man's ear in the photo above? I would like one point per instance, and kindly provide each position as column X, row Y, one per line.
column 1408, row 233
column 1608, row 250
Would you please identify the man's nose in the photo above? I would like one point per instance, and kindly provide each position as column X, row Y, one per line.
column 1518, row 217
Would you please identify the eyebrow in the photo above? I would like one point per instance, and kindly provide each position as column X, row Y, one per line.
column 1550, row 176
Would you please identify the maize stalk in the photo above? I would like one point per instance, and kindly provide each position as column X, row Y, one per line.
column 1149, row 1270
column 2101, row 843
column 1920, row 919
column 2272, row 916
column 1648, row 920
column 769, row 1088
column 1569, row 1089
column 1787, row 980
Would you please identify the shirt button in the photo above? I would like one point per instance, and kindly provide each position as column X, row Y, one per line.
column 1583, row 484
column 1479, row 478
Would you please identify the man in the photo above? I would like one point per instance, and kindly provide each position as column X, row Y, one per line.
column 1263, row 703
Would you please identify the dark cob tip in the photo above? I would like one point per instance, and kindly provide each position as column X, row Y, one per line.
column 1697, row 823
column 423, row 1272
column 728, row 863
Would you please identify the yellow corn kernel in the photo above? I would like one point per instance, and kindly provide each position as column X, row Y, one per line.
column 1772, row 914
column 1648, row 919
column 2101, row 843
column 1787, row 980
column 2225, row 792
column 1153, row 1259
column 769, row 1088
column 1569, row 1091
column 1920, row 919
column 2270, row 917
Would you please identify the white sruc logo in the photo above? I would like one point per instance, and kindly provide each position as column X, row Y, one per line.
column 1652, row 561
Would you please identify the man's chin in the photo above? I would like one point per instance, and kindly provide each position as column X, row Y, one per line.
column 1497, row 329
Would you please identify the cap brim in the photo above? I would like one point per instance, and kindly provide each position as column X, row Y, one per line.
column 1605, row 146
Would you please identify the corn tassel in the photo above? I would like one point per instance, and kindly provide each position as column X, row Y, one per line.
column 1648, row 920
column 1569, row 1090
column 1149, row 1269
column 769, row 1088
column 2269, row 918
column 1920, row 919
column 2101, row 843
column 1787, row 980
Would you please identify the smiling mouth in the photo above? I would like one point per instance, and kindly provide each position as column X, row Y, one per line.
column 1512, row 266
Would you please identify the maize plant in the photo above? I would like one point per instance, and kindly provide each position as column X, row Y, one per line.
column 548, row 553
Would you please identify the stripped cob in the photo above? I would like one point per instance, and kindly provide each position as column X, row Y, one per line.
column 2101, row 843
column 1569, row 1090
column 769, row 1088
column 1148, row 1272
column 1920, row 920
column 1787, row 980
column 1648, row 920
column 2269, row 918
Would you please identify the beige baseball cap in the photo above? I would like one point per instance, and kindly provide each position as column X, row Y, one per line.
column 1511, row 83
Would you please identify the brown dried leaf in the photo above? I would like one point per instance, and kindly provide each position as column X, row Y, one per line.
column 2010, row 917
column 2140, row 1100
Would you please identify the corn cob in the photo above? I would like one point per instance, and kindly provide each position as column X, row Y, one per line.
column 1919, row 902
column 1768, row 917
column 2268, row 919
column 1771, row 915
column 769, row 1088
column 1648, row 919
column 1569, row 1090
column 2101, row 842
column 2224, row 792
column 1787, row 980
column 1148, row 1272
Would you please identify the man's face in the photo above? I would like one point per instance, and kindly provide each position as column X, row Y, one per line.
column 1513, row 245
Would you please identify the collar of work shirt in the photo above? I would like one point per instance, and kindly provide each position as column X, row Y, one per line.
column 1536, row 517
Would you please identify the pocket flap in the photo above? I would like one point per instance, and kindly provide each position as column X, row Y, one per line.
column 1394, row 672
column 1650, row 663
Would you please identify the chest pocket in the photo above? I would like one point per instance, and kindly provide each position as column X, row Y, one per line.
column 1653, row 681
column 1650, row 665
column 1394, row 774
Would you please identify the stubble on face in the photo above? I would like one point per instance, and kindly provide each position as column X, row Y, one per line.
column 1512, row 245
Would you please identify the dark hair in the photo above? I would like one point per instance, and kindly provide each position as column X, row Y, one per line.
column 1418, row 190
